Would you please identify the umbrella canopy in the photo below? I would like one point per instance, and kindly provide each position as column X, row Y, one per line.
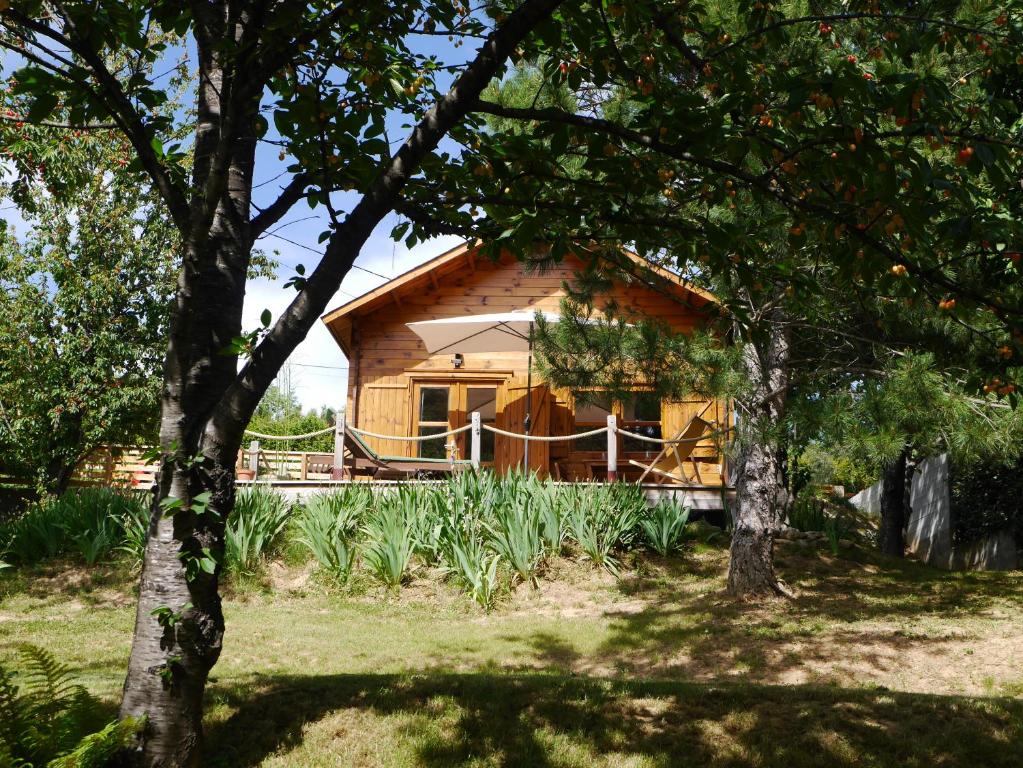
column 499, row 332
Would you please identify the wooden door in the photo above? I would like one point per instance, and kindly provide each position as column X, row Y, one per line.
column 443, row 405
column 434, row 410
column 512, row 411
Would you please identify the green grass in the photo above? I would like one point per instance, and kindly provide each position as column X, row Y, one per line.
column 875, row 663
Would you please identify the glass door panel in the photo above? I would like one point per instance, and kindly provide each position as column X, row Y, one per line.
column 433, row 408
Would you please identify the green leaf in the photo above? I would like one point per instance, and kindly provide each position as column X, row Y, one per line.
column 984, row 153
column 42, row 107
column 171, row 504
column 265, row 318
column 200, row 502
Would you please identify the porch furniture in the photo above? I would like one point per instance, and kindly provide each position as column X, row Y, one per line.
column 668, row 465
column 364, row 460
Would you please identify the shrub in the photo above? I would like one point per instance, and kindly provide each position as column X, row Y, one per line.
column 90, row 521
column 328, row 523
column 808, row 513
column 474, row 565
column 664, row 525
column 35, row 535
column 515, row 533
column 135, row 524
column 259, row 516
column 43, row 720
column 465, row 551
column 603, row 518
column 836, row 529
column 390, row 537
column 985, row 499
column 549, row 505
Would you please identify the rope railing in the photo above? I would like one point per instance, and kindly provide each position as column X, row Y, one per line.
column 261, row 436
column 544, row 438
column 612, row 430
column 416, row 438
column 495, row 430
column 674, row 441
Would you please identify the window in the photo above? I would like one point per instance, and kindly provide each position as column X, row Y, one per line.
column 433, row 420
column 641, row 414
column 591, row 412
column 484, row 400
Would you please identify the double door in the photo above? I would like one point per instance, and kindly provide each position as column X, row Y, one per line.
column 440, row 406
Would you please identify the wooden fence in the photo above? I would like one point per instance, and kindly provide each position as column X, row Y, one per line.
column 123, row 466
column 115, row 465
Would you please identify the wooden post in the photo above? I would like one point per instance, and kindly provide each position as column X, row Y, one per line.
column 338, row 470
column 254, row 458
column 304, row 472
column 612, row 448
column 474, row 445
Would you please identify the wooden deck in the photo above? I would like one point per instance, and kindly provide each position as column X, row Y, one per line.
column 698, row 497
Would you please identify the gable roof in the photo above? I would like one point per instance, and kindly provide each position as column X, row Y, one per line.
column 458, row 258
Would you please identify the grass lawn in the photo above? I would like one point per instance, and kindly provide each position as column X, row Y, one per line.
column 875, row 663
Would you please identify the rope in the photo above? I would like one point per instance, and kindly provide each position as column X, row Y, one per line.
column 496, row 431
column 261, row 436
column 677, row 441
column 413, row 439
column 543, row 438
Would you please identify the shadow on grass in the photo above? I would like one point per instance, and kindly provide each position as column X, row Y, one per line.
column 700, row 631
column 440, row 719
column 55, row 581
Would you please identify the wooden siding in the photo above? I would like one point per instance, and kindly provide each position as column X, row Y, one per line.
column 385, row 403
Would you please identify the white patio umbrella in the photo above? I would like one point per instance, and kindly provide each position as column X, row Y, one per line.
column 498, row 332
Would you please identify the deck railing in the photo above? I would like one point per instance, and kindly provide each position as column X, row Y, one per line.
column 124, row 465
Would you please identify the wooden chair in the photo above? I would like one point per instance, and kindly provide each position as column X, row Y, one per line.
column 675, row 453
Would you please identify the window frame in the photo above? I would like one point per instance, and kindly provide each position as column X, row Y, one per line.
column 617, row 408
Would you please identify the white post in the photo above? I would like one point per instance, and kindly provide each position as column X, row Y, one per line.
column 612, row 448
column 254, row 458
column 474, row 445
column 338, row 470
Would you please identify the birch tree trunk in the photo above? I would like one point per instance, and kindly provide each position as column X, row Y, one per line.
column 759, row 486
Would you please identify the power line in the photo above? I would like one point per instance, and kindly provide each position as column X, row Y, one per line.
column 318, row 253
column 330, row 367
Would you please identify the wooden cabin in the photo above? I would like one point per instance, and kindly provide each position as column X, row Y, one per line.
column 396, row 387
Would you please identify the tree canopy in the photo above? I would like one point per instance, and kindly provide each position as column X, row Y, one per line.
column 84, row 305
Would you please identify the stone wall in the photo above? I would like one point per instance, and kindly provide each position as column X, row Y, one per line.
column 929, row 528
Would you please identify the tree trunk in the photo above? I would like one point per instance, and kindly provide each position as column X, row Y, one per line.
column 760, row 494
column 179, row 626
column 893, row 507
column 758, row 505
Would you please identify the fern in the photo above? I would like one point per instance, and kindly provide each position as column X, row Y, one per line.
column 98, row 749
column 44, row 717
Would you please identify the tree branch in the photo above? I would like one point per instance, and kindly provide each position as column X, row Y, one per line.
column 58, row 124
column 266, row 218
column 760, row 182
column 121, row 110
